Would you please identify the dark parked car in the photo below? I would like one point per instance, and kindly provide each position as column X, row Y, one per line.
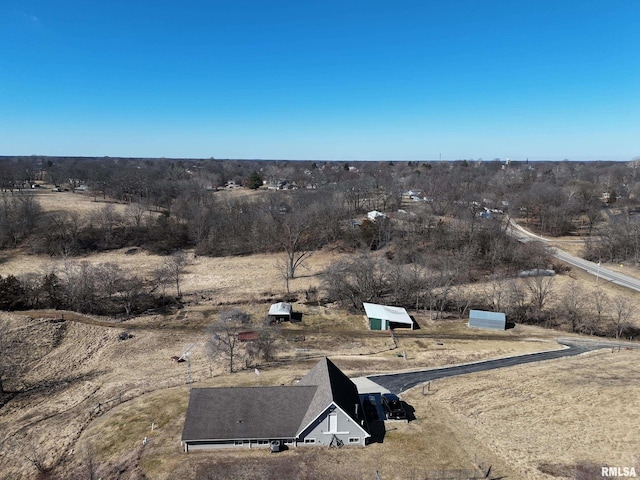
column 369, row 407
column 393, row 408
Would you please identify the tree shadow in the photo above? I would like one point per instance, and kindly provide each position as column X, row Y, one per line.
column 56, row 386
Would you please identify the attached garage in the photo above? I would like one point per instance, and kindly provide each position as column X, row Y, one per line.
column 490, row 320
column 383, row 317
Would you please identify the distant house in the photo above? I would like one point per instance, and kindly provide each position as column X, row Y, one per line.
column 489, row 320
column 374, row 215
column 383, row 317
column 280, row 312
column 323, row 408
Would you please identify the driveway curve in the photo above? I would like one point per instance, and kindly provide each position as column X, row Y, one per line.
column 400, row 382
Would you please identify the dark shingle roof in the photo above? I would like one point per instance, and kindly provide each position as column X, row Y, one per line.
column 333, row 386
column 234, row 413
column 246, row 412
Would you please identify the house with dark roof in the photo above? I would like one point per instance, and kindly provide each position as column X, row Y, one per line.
column 323, row 408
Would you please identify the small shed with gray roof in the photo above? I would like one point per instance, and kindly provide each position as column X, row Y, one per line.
column 489, row 320
column 280, row 312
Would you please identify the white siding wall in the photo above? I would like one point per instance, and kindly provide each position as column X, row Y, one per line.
column 346, row 429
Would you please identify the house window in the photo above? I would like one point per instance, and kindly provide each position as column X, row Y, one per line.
column 333, row 423
column 263, row 442
column 309, row 441
column 288, row 442
column 354, row 439
column 238, row 443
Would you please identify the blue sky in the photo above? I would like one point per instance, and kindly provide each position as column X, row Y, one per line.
column 335, row 80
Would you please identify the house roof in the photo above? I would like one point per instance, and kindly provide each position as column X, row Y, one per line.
column 393, row 314
column 374, row 214
column 281, row 308
column 333, row 386
column 231, row 413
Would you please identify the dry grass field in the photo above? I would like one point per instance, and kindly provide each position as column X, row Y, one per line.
column 552, row 414
column 86, row 394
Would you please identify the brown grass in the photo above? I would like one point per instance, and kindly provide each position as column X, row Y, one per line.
column 84, row 387
column 85, row 376
column 82, row 203
column 558, row 412
column 430, row 442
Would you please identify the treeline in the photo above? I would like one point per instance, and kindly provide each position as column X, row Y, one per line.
column 555, row 198
column 102, row 289
column 536, row 300
column 442, row 226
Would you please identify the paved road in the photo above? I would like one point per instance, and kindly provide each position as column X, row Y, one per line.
column 601, row 273
column 400, row 382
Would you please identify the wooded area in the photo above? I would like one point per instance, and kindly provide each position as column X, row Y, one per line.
column 441, row 226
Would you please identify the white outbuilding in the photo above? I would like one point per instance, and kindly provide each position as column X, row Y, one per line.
column 383, row 317
column 280, row 312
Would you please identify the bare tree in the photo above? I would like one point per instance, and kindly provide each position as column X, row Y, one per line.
column 223, row 337
column 350, row 283
column 88, row 470
column 174, row 267
column 107, row 219
column 600, row 302
column 295, row 241
column 19, row 215
column 622, row 312
column 81, row 285
column 541, row 290
column 37, row 458
column 497, row 291
column 516, row 300
column 160, row 281
column 131, row 290
column 268, row 339
column 135, row 212
column 572, row 306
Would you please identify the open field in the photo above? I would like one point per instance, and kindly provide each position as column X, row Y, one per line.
column 82, row 203
column 551, row 414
